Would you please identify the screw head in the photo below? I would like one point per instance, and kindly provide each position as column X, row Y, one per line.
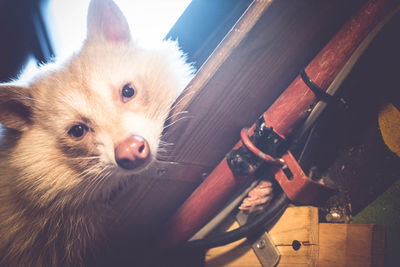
column 261, row 244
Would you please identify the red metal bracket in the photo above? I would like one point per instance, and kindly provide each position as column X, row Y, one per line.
column 289, row 174
column 297, row 186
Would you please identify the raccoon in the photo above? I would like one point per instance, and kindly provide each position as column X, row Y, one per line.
column 74, row 133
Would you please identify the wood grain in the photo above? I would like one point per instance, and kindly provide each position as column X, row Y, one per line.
column 296, row 223
column 351, row 245
column 300, row 224
column 222, row 52
column 236, row 254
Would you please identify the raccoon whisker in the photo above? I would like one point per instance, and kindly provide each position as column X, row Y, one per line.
column 91, row 170
column 186, row 95
column 98, row 170
column 96, row 181
column 86, row 172
column 176, row 114
column 84, row 158
column 172, row 123
column 162, row 150
column 168, row 145
column 165, row 147
column 166, row 157
column 101, row 179
column 165, row 143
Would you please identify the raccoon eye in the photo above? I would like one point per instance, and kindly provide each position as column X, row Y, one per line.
column 127, row 92
column 78, row 130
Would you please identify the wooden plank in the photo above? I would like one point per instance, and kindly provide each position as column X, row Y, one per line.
column 351, row 245
column 223, row 51
column 236, row 254
column 297, row 224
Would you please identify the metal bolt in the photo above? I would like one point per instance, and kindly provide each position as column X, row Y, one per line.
column 162, row 171
column 261, row 244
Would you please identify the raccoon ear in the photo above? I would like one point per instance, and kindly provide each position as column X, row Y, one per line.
column 106, row 19
column 15, row 107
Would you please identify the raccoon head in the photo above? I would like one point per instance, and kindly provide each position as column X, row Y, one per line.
column 99, row 114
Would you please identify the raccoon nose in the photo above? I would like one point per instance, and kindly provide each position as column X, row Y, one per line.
column 132, row 153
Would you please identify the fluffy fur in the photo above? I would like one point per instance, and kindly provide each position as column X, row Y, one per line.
column 54, row 189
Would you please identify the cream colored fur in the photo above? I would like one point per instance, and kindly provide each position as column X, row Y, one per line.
column 54, row 190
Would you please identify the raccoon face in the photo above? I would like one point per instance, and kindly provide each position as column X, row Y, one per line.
column 98, row 115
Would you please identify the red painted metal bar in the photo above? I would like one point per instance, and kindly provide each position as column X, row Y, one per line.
column 292, row 105
column 284, row 115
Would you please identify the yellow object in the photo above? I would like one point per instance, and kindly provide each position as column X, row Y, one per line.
column 389, row 124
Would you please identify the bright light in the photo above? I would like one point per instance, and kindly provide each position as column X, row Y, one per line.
column 149, row 20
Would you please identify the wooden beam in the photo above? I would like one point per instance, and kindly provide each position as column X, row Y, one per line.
column 298, row 226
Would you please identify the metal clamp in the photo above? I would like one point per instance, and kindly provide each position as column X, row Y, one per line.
column 320, row 93
column 265, row 157
column 263, row 145
column 297, row 186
